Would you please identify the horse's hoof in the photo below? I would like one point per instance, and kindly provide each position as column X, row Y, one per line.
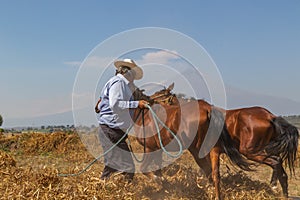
column 159, row 180
column 274, row 187
column 286, row 196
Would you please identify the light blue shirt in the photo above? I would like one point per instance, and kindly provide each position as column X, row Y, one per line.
column 116, row 103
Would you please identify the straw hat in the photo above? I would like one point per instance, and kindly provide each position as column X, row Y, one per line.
column 131, row 64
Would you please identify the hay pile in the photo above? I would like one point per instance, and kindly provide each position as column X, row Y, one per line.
column 180, row 183
column 37, row 143
column 34, row 175
column 6, row 160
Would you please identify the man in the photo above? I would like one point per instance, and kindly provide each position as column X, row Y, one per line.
column 115, row 113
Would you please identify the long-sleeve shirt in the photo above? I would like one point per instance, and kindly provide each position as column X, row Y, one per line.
column 116, row 103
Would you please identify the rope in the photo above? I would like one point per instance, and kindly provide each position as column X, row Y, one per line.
column 144, row 135
column 103, row 154
column 156, row 120
column 97, row 158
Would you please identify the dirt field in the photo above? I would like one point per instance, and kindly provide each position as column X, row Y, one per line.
column 29, row 164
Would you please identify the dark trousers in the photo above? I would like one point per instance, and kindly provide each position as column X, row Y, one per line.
column 118, row 159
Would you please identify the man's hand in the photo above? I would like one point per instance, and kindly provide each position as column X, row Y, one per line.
column 143, row 103
column 96, row 107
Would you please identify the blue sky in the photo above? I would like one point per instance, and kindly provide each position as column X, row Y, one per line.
column 255, row 44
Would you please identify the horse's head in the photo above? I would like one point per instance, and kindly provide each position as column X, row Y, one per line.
column 165, row 96
column 138, row 94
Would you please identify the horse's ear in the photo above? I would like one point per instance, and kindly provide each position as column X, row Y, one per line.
column 171, row 87
column 139, row 90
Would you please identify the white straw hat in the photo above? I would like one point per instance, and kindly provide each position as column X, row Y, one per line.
column 131, row 64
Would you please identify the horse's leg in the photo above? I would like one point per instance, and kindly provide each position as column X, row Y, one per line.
column 283, row 178
column 246, row 150
column 203, row 163
column 215, row 164
column 158, row 162
column 146, row 163
column 151, row 156
column 278, row 172
column 274, row 179
column 271, row 163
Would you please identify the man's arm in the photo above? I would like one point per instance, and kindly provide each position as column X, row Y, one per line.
column 116, row 97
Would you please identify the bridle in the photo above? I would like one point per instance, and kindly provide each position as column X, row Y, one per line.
column 168, row 99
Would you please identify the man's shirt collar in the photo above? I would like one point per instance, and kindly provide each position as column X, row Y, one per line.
column 123, row 78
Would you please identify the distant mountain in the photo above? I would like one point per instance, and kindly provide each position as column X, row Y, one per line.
column 83, row 117
column 65, row 118
column 236, row 98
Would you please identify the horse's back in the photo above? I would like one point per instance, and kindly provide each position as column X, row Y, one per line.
column 255, row 114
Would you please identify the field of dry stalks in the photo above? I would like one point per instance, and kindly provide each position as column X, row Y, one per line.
column 29, row 164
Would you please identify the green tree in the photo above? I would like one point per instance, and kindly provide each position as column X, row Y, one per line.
column 1, row 120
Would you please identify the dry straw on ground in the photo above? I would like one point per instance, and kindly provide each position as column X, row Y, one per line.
column 29, row 165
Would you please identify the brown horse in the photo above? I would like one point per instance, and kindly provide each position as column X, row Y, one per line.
column 258, row 134
column 191, row 122
column 265, row 138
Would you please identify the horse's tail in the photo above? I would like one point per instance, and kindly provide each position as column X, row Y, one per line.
column 285, row 144
column 227, row 143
